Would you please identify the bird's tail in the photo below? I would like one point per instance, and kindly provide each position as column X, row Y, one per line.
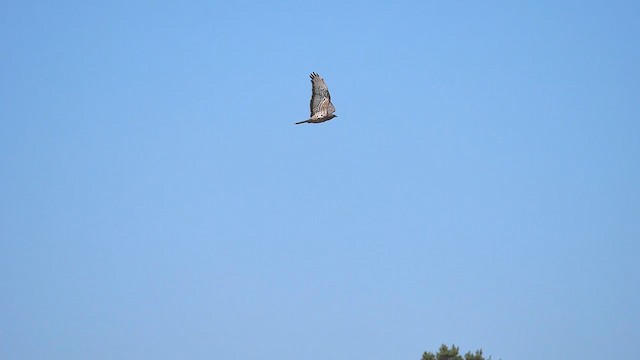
column 302, row 122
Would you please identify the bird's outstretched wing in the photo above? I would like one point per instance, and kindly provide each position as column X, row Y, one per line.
column 320, row 104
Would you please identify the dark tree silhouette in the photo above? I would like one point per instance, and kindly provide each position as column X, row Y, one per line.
column 453, row 353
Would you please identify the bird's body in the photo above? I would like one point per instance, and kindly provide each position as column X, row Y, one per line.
column 321, row 107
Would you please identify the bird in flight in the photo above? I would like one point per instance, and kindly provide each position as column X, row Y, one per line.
column 321, row 107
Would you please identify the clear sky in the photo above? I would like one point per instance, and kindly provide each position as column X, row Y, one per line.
column 480, row 185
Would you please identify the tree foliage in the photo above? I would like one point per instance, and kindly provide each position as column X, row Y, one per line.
column 453, row 353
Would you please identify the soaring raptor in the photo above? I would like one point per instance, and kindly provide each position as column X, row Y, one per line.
column 321, row 107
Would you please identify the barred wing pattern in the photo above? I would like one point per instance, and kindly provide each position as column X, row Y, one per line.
column 321, row 107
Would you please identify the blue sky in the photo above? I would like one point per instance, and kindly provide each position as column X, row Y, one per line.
column 478, row 187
